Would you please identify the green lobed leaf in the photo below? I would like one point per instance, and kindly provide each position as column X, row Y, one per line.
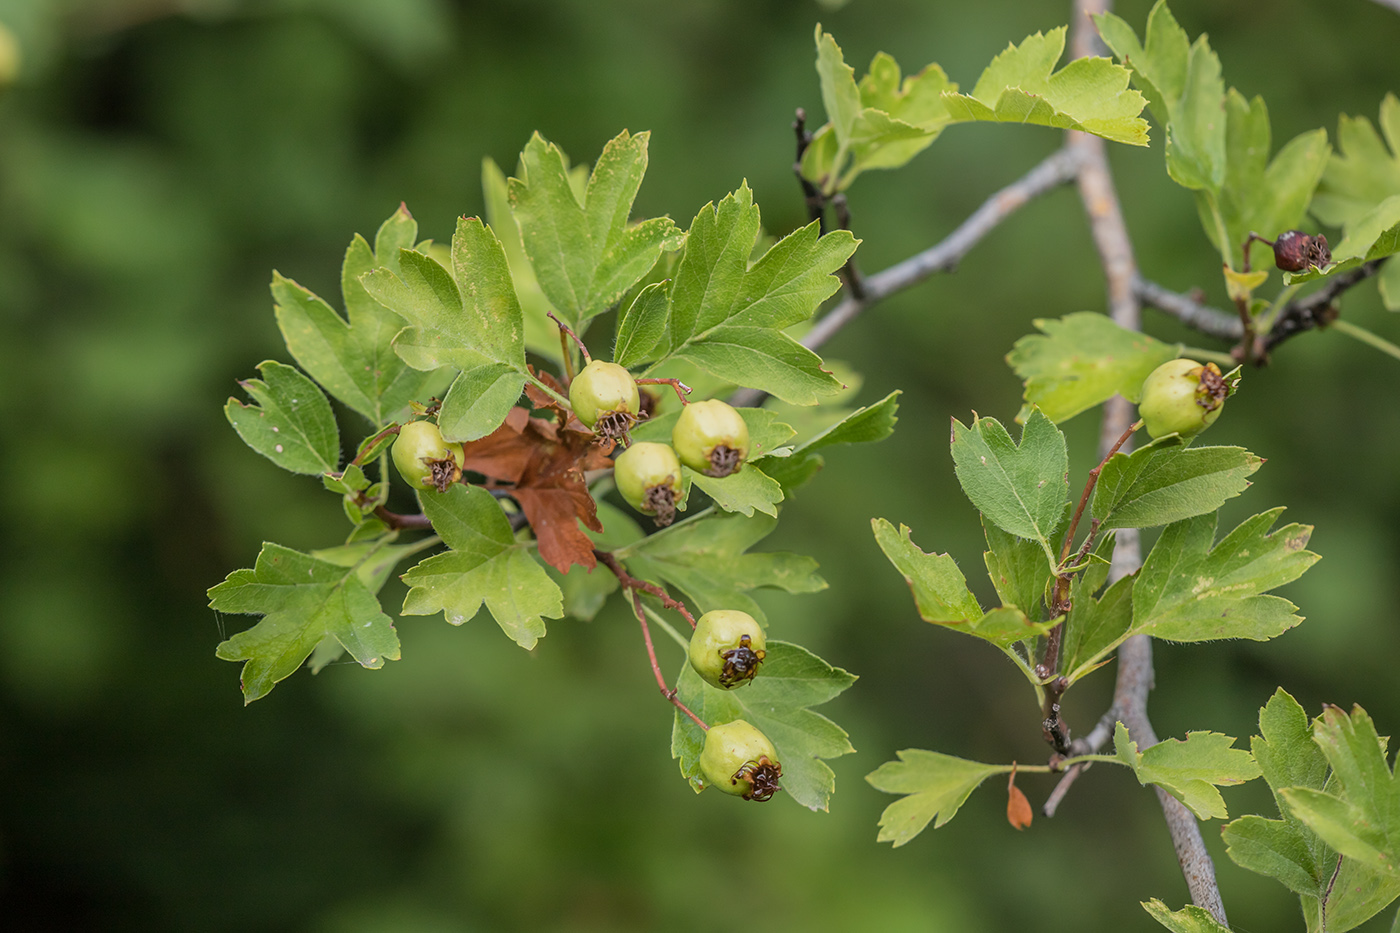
column 1159, row 485
column 352, row 356
column 777, row 702
column 541, row 334
column 1361, row 818
column 744, row 492
column 1088, row 94
column 1337, row 894
column 302, row 600
column 1081, row 360
column 471, row 321
column 1188, row 590
column 584, row 252
column 726, row 315
column 641, row 327
column 1189, row 770
column 707, row 557
column 1021, row 489
column 1189, row 919
column 484, row 566
column 1095, row 626
column 290, row 422
column 1017, row 568
column 866, row 425
column 935, row 785
column 1365, row 169
column 882, row 123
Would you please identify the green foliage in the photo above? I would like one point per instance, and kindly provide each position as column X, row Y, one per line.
column 584, row 252
column 1336, row 893
column 1083, row 360
column 866, row 425
column 1160, row 485
column 1022, row 488
column 1362, row 174
column 706, row 557
column 304, row 601
column 777, row 702
column 884, row 122
column 485, row 565
column 291, row 423
column 1191, row 770
column 1088, row 94
column 1360, row 817
column 941, row 593
column 1189, row 919
column 935, row 785
column 1188, row 590
column 1226, row 162
column 726, row 314
column 352, row 357
column 468, row 318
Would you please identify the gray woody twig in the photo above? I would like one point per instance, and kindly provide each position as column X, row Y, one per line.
column 1134, row 681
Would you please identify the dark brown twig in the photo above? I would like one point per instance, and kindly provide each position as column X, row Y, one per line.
column 630, row 582
column 811, row 194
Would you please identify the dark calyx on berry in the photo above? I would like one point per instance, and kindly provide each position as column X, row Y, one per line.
column 724, row 461
column 762, row 776
column 615, row 425
column 1212, row 391
column 1295, row 251
column 441, row 473
column 741, row 663
column 660, row 502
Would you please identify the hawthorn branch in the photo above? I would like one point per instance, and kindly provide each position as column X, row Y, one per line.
column 667, row 692
column 630, row 582
column 1390, row 4
column 1058, row 168
column 1135, row 675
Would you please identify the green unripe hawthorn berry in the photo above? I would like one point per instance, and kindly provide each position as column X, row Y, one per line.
column 727, row 647
column 711, row 437
column 424, row 459
column 1182, row 397
column 649, row 477
column 605, row 397
column 739, row 760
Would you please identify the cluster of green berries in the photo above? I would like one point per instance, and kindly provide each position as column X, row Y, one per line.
column 727, row 649
column 424, row 459
column 1182, row 397
column 710, row 437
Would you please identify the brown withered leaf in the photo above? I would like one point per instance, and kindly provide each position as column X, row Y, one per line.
column 545, row 465
column 1018, row 808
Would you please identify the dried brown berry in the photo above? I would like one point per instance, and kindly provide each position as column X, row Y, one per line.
column 1295, row 251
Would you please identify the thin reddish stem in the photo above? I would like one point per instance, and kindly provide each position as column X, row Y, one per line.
column 397, row 521
column 667, row 692
column 630, row 582
column 682, row 390
column 566, row 329
column 1089, row 485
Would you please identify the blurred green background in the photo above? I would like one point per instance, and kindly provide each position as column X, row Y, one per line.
column 159, row 158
